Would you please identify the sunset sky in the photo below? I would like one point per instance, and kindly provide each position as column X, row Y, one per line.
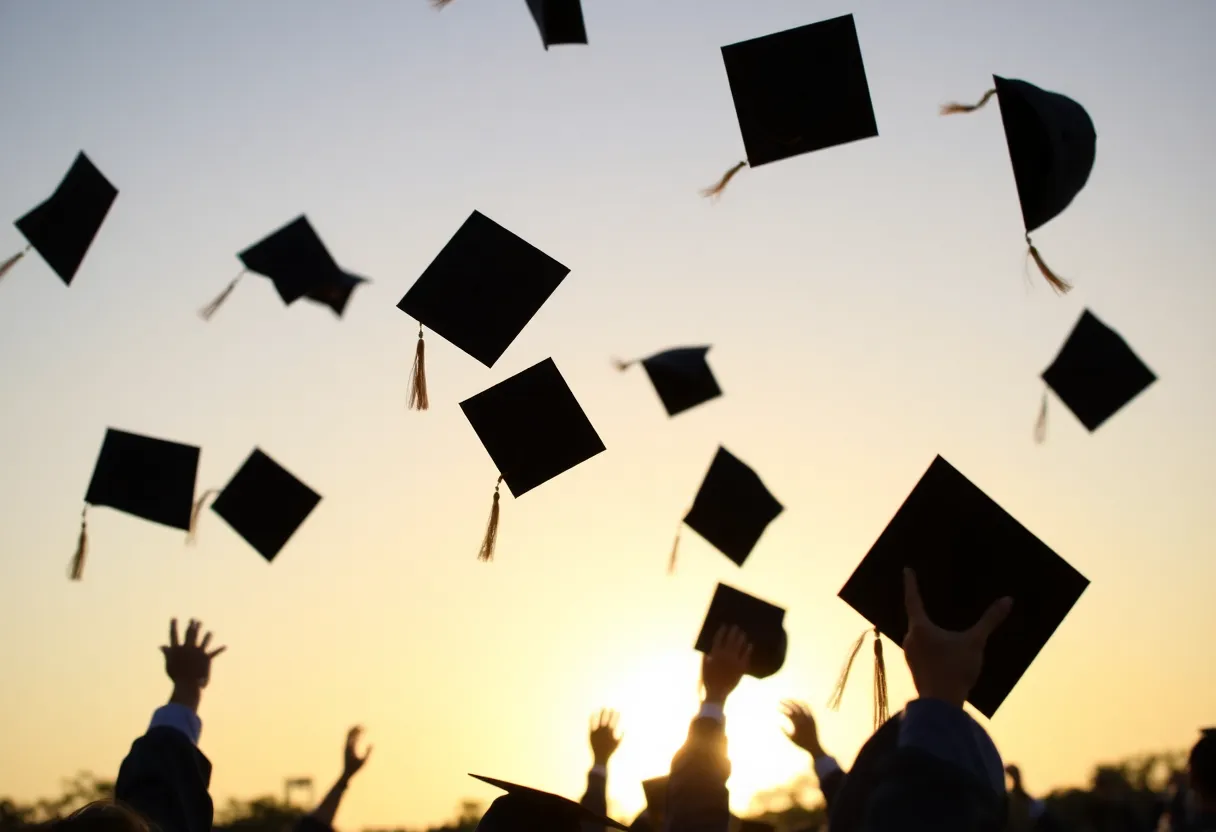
column 868, row 306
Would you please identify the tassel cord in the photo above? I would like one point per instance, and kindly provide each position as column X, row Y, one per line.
column 490, row 541
column 718, row 187
column 419, row 398
column 82, row 547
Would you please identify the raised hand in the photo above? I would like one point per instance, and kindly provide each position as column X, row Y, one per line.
column 724, row 665
column 352, row 762
column 945, row 665
column 802, row 732
column 188, row 663
column 604, row 738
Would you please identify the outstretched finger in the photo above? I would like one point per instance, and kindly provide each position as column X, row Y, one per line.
column 173, row 642
column 216, row 652
column 992, row 618
column 202, row 645
column 720, row 639
column 913, row 604
column 352, row 736
column 191, row 633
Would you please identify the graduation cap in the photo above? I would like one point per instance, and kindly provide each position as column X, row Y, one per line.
column 681, row 377
column 1095, row 375
column 967, row 552
column 798, row 91
column 1051, row 143
column 149, row 478
column 732, row 509
column 534, row 429
column 263, row 503
column 524, row 809
column 760, row 621
column 62, row 228
column 560, row 21
column 479, row 293
column 299, row 265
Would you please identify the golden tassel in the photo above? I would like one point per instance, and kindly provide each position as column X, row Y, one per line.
column 1058, row 283
column 12, row 261
column 838, row 692
column 491, row 539
column 192, row 534
column 207, row 311
column 880, row 683
column 419, row 400
column 717, row 189
column 955, row 107
column 82, row 548
column 675, row 550
column 1040, row 425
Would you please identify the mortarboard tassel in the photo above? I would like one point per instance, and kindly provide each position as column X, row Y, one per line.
column 419, row 400
column 207, row 311
column 1040, row 424
column 1058, row 283
column 675, row 551
column 439, row 4
column 955, row 107
column 12, row 261
column 842, row 680
column 880, row 683
column 717, row 189
column 491, row 539
column 82, row 548
column 192, row 534
column 622, row 366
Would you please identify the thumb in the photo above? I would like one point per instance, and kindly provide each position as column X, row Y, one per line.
column 992, row 618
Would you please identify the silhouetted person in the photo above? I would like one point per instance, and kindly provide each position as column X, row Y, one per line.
column 932, row 767
column 804, row 733
column 321, row 819
column 163, row 782
column 1194, row 806
column 697, row 798
column 604, row 743
column 1026, row 813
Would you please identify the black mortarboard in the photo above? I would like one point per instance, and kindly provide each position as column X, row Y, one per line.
column 760, row 621
column 798, row 91
column 480, row 292
column 560, row 21
column 150, row 478
column 62, row 228
column 1095, row 374
column 732, row 509
column 299, row 266
column 1051, row 143
column 681, row 377
column 523, row 809
column 967, row 553
column 264, row 503
column 533, row 428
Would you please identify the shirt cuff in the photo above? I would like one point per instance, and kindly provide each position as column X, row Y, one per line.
column 1037, row 808
column 598, row 771
column 712, row 710
column 825, row 766
column 180, row 718
column 949, row 734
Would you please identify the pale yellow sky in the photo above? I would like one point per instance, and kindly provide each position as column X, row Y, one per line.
column 868, row 310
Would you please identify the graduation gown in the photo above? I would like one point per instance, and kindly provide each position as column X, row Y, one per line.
column 697, row 797
column 165, row 777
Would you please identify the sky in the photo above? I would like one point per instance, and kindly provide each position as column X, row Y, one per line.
column 869, row 307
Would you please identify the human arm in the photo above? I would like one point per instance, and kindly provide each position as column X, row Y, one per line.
column 697, row 797
column 804, row 733
column 165, row 777
column 604, row 741
column 946, row 774
column 327, row 809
